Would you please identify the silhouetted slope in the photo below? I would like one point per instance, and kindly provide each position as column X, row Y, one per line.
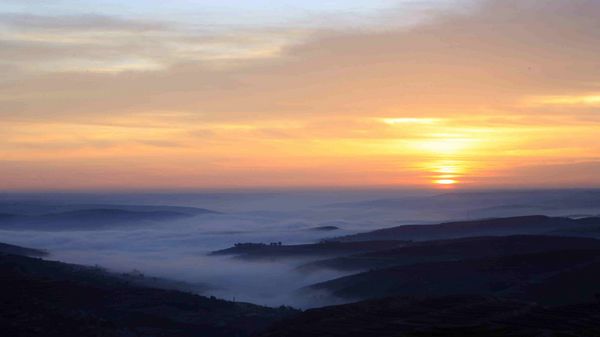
column 458, row 316
column 532, row 225
column 507, row 275
column 587, row 227
column 333, row 248
column 568, row 287
column 455, row 249
column 44, row 298
column 17, row 250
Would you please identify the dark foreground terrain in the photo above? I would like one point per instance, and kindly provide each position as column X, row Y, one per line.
column 457, row 316
column 45, row 298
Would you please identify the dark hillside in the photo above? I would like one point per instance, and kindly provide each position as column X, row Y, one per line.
column 42, row 298
column 454, row 250
column 16, row 250
column 456, row 316
column 274, row 250
column 524, row 225
column 506, row 276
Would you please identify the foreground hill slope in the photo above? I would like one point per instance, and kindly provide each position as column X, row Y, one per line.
column 446, row 316
column 17, row 250
column 45, row 298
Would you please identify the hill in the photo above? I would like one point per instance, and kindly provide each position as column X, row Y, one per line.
column 446, row 316
column 17, row 250
column 24, row 207
column 454, row 250
column 86, row 219
column 507, row 276
column 46, row 298
column 258, row 251
column 532, row 225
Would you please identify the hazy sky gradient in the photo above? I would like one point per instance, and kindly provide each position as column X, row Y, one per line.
column 193, row 94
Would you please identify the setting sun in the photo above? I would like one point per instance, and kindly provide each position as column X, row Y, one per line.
column 446, row 181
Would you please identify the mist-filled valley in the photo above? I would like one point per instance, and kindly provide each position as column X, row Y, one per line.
column 175, row 236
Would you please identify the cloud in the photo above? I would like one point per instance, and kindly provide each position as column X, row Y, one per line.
column 486, row 60
column 571, row 101
column 69, row 23
column 292, row 97
column 101, row 43
column 578, row 173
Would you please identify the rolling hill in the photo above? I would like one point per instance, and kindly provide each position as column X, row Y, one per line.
column 451, row 316
column 54, row 299
column 502, row 276
column 531, row 225
column 96, row 218
column 261, row 251
column 454, row 250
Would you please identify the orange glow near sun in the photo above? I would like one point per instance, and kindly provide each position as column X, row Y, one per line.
column 446, row 182
column 446, row 173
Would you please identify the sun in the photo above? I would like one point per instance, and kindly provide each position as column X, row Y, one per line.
column 446, row 173
column 446, row 182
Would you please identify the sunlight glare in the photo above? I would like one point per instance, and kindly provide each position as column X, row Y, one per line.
column 445, row 181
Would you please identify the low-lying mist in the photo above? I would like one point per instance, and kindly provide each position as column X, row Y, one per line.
column 178, row 249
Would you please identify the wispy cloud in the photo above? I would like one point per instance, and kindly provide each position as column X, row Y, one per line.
column 592, row 100
column 307, row 105
column 99, row 43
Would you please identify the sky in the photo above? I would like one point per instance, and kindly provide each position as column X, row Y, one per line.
column 183, row 94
